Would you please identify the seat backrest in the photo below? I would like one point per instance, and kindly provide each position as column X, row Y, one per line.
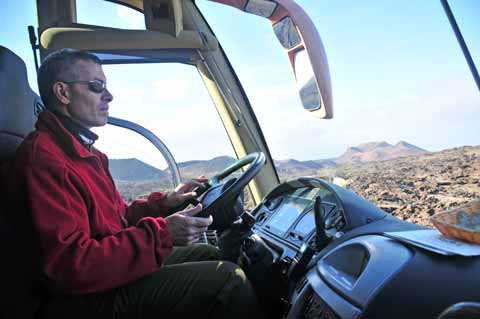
column 19, row 107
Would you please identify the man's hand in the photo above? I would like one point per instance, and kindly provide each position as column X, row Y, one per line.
column 183, row 192
column 185, row 229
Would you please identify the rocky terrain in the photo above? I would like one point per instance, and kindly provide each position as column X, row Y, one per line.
column 413, row 187
column 416, row 187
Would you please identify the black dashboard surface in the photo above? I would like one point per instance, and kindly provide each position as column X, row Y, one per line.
column 287, row 216
column 360, row 270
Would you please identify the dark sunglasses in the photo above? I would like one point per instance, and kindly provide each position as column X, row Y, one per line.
column 95, row 86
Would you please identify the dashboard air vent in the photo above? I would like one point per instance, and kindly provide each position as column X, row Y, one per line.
column 315, row 307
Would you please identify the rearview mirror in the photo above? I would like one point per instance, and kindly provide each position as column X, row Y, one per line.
column 297, row 34
column 307, row 86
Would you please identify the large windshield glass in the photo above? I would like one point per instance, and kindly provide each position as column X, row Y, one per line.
column 405, row 132
column 468, row 23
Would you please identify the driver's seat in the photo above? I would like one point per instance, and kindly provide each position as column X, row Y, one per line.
column 19, row 106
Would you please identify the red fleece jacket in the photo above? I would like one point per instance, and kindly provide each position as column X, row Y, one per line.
column 91, row 240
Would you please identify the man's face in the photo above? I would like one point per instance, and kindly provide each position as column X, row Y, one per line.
column 88, row 108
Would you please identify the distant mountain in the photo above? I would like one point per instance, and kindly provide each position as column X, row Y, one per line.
column 351, row 152
column 411, row 147
column 132, row 169
column 295, row 165
column 366, row 152
column 378, row 151
column 371, row 146
column 192, row 169
column 326, row 162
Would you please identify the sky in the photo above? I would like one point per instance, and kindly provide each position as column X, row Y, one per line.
column 397, row 74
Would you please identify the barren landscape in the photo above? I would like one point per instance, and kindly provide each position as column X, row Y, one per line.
column 413, row 187
column 416, row 187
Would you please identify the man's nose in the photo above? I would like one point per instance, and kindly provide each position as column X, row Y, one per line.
column 107, row 96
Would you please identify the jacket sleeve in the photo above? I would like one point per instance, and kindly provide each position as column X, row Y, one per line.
column 154, row 206
column 73, row 261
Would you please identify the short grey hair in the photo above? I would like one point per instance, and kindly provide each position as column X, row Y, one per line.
column 58, row 66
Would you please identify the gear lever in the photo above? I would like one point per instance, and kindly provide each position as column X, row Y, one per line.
column 321, row 239
column 300, row 263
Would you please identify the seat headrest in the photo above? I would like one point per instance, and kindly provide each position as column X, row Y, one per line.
column 19, row 105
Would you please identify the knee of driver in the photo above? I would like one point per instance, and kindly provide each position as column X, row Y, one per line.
column 234, row 271
column 237, row 294
column 207, row 252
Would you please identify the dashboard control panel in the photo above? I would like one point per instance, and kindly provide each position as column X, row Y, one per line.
column 290, row 216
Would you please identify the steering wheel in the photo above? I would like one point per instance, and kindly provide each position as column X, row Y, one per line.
column 221, row 193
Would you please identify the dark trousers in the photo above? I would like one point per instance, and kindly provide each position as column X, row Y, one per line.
column 192, row 283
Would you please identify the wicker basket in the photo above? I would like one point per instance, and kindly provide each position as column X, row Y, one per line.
column 461, row 223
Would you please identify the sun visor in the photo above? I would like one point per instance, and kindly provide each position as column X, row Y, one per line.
column 98, row 38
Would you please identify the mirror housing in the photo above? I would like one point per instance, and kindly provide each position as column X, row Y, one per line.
column 297, row 34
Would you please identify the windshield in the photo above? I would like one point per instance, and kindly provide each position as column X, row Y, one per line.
column 405, row 131
column 401, row 87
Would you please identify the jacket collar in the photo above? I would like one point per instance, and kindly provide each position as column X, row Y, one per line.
column 81, row 133
column 50, row 122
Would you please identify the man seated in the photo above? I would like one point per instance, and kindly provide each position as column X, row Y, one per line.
column 100, row 256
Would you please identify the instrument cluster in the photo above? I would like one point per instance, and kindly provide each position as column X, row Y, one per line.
column 290, row 216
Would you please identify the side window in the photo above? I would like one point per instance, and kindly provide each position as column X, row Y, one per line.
column 170, row 100
column 136, row 165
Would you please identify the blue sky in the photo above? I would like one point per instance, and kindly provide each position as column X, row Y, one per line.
column 397, row 74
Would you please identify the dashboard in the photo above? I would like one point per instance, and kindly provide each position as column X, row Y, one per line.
column 285, row 232
column 290, row 216
column 358, row 270
column 286, row 218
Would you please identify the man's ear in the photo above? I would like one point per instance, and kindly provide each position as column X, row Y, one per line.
column 62, row 92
